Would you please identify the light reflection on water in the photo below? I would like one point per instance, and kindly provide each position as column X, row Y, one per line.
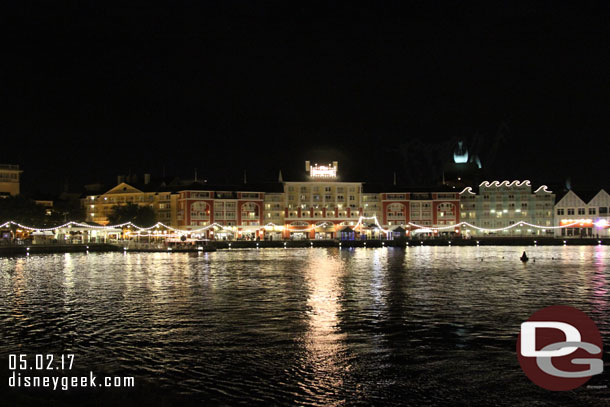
column 305, row 326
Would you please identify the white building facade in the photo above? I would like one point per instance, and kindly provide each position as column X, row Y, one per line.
column 505, row 208
column 582, row 219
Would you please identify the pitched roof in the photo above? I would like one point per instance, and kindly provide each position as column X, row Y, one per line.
column 586, row 195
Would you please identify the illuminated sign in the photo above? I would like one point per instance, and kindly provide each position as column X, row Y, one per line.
column 323, row 171
column 577, row 222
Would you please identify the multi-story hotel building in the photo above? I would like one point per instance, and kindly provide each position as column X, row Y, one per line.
column 9, row 180
column 500, row 205
column 320, row 204
column 239, row 209
column 583, row 214
column 422, row 208
column 157, row 197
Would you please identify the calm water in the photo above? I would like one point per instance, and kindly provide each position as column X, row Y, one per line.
column 424, row 325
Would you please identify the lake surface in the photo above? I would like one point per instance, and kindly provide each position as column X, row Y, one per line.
column 391, row 326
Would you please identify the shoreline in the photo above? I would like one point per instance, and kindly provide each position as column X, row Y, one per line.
column 226, row 245
column 407, row 242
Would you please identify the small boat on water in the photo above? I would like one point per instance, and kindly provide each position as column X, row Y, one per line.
column 524, row 257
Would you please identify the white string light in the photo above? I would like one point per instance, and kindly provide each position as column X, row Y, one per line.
column 376, row 223
column 457, row 225
column 270, row 224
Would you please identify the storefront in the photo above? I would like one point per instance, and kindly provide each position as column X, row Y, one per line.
column 81, row 235
column 577, row 228
column 325, row 231
column 602, row 228
column 398, row 232
column 347, row 233
column 224, row 234
column 422, row 233
column 274, row 232
column 299, row 230
column 372, row 232
column 43, row 237
column 250, row 233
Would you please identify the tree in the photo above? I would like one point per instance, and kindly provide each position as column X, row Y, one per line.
column 140, row 215
column 24, row 211
column 68, row 210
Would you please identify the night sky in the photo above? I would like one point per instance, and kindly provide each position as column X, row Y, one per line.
column 97, row 89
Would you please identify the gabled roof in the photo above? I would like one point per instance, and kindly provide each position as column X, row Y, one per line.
column 601, row 198
column 123, row 188
column 571, row 198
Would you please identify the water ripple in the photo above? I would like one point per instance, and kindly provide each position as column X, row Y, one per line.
column 319, row 327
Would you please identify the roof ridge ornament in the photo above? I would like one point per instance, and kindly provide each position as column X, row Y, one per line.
column 516, row 183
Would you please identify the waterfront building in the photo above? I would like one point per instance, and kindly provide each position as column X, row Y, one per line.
column 46, row 202
column 147, row 194
column 9, row 180
column 419, row 209
column 320, row 203
column 274, row 214
column 584, row 214
column 371, row 204
column 238, row 209
column 500, row 205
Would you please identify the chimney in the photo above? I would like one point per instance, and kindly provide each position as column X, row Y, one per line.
column 120, row 179
column 146, row 179
column 395, row 178
column 245, row 180
column 307, row 166
column 336, row 165
column 279, row 177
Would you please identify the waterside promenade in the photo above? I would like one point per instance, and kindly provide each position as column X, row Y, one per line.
column 127, row 246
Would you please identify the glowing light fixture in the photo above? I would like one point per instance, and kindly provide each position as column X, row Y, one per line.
column 323, row 171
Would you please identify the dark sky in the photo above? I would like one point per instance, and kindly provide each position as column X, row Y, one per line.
column 98, row 88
